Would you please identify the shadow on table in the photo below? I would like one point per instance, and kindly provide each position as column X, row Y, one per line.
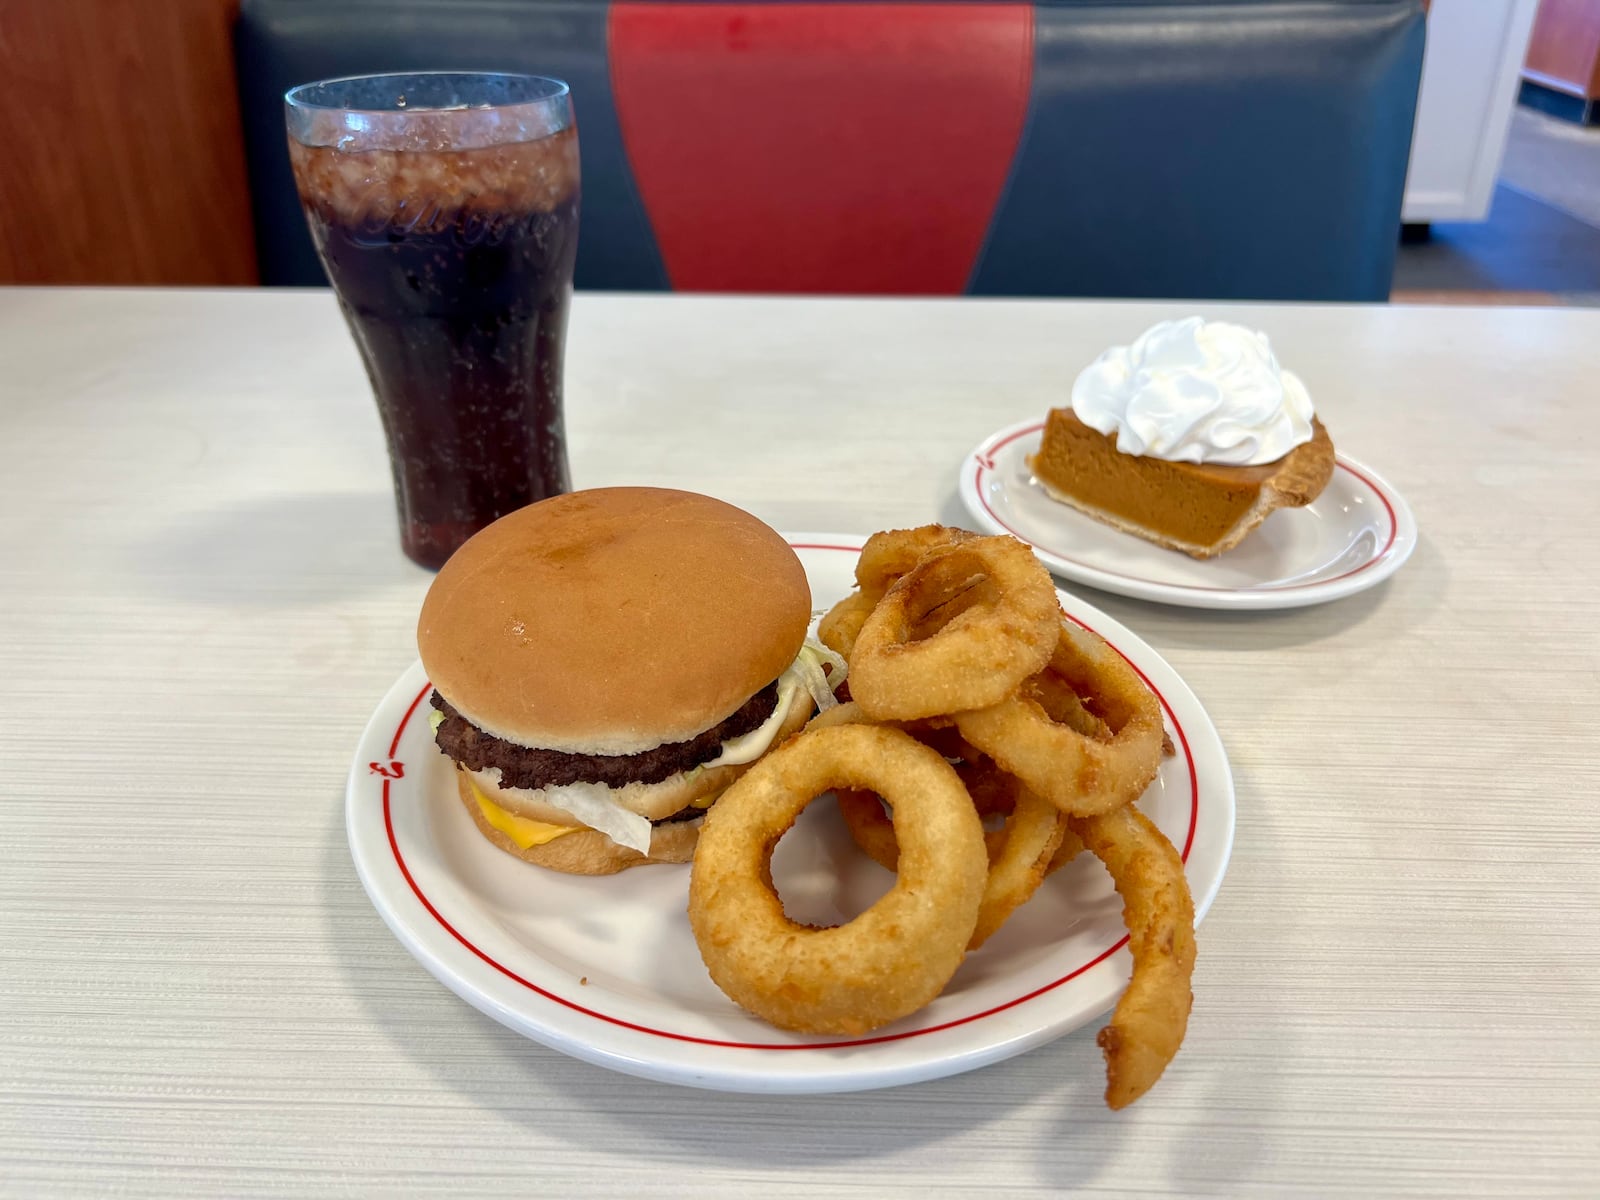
column 1263, row 629
column 1405, row 606
column 1207, row 1121
column 280, row 550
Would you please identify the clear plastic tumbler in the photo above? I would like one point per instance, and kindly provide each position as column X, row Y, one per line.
column 445, row 209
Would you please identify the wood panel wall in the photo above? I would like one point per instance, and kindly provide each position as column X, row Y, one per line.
column 121, row 154
column 1564, row 52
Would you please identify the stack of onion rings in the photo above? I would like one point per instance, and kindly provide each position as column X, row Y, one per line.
column 1080, row 773
column 973, row 700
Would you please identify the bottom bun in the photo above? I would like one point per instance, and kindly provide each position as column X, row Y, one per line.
column 588, row 851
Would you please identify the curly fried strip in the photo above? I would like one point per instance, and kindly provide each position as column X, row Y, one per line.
column 1150, row 1020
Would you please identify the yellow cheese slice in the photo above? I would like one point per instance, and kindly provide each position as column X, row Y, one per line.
column 521, row 830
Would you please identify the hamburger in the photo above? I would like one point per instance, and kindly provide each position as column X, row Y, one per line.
column 606, row 663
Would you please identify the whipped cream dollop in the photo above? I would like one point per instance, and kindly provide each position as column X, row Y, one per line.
column 1196, row 391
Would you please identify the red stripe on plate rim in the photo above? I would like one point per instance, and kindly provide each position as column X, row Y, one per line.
column 416, row 889
column 988, row 452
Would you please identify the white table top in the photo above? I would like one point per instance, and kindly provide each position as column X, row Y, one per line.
column 202, row 598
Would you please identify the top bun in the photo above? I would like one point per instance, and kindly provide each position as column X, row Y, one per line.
column 614, row 620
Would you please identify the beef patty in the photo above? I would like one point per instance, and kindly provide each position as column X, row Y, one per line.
column 529, row 767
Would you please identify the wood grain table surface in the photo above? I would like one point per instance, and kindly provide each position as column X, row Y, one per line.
column 202, row 599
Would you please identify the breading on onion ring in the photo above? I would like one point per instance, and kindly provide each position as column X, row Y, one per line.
column 890, row 554
column 872, row 830
column 960, row 630
column 1033, row 833
column 873, row 833
column 841, row 624
column 1021, row 853
column 847, row 713
column 889, row 961
column 1079, row 773
column 1071, row 847
column 1153, row 1014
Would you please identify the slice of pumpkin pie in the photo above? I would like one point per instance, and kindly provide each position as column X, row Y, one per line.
column 1189, row 438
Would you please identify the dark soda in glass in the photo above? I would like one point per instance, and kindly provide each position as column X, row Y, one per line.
column 449, row 234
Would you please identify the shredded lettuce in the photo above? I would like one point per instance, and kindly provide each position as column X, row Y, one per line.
column 592, row 804
column 809, row 662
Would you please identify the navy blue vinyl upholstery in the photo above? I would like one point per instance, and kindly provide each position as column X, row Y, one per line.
column 1180, row 149
column 1232, row 151
column 281, row 43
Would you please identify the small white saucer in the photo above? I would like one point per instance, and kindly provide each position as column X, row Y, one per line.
column 1356, row 534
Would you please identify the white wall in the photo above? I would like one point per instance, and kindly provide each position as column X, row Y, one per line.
column 1470, row 75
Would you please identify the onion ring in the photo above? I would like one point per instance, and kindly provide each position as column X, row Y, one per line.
column 993, row 791
column 872, row 830
column 884, row 559
column 1033, row 833
column 1071, row 847
column 1020, row 854
column 1080, row 774
column 841, row 624
column 961, row 630
column 1151, row 1018
column 890, row 554
column 845, row 713
column 889, row 961
column 937, row 733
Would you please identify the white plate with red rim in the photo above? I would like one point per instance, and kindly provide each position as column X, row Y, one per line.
column 606, row 969
column 1356, row 534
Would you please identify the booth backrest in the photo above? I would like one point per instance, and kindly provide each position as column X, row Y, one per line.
column 1251, row 150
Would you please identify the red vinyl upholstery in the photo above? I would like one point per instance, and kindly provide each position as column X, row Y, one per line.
column 820, row 147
